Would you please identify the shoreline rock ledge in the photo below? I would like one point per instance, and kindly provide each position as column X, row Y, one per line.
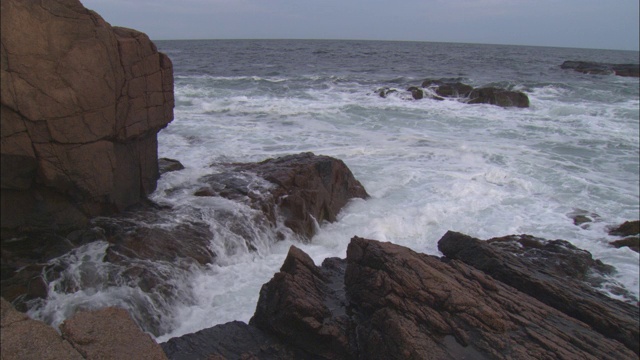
column 82, row 102
column 385, row 301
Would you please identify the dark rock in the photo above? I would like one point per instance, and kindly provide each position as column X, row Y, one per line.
column 306, row 189
column 632, row 242
column 628, row 228
column 554, row 272
column 448, row 88
column 166, row 165
column 587, row 67
column 500, row 97
column 233, row 340
column 416, row 92
column 305, row 305
column 384, row 92
column 389, row 302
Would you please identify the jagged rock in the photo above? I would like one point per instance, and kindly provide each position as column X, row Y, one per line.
column 500, row 97
column 632, row 242
column 588, row 67
column 554, row 272
column 385, row 301
column 416, row 92
column 166, row 165
column 109, row 333
column 306, row 189
column 81, row 102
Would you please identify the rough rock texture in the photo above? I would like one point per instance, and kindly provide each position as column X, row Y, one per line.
column 166, row 165
column 306, row 189
column 26, row 339
column 587, row 67
column 109, row 333
column 448, row 88
column 554, row 272
column 385, row 301
column 81, row 105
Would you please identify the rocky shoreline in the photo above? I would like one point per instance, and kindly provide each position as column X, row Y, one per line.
column 79, row 156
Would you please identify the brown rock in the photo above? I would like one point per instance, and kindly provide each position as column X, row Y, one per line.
column 632, row 242
column 307, row 189
column 389, row 302
column 109, row 333
column 81, row 103
column 555, row 273
column 26, row 339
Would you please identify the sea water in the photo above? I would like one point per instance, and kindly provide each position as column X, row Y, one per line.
column 429, row 166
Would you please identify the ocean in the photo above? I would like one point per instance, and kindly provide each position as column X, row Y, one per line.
column 429, row 166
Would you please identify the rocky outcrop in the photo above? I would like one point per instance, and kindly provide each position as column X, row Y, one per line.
column 385, row 301
column 109, row 333
column 440, row 89
column 554, row 272
column 588, row 67
column 306, row 189
column 81, row 105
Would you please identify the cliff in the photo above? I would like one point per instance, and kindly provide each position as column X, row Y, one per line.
column 82, row 102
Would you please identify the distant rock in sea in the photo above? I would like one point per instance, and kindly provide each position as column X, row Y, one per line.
column 587, row 67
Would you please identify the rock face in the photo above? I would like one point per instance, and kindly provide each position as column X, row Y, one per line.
column 587, row 67
column 630, row 229
column 385, row 301
column 82, row 103
column 306, row 189
column 109, row 333
column 500, row 97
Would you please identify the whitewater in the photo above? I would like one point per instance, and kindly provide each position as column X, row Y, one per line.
column 429, row 166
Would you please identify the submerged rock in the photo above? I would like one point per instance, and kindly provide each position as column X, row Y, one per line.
column 630, row 229
column 588, row 67
column 386, row 301
column 448, row 88
column 500, row 97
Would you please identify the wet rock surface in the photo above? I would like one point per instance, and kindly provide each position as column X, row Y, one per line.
column 588, row 67
column 631, row 231
column 386, row 301
column 440, row 89
column 305, row 189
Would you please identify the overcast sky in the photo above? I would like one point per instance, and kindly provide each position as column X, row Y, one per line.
column 602, row 24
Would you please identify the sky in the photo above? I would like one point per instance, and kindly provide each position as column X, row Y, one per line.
column 599, row 24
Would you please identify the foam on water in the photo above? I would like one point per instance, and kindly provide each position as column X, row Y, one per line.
column 430, row 166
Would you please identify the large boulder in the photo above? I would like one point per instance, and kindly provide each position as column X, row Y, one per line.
column 386, row 301
column 306, row 189
column 81, row 105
